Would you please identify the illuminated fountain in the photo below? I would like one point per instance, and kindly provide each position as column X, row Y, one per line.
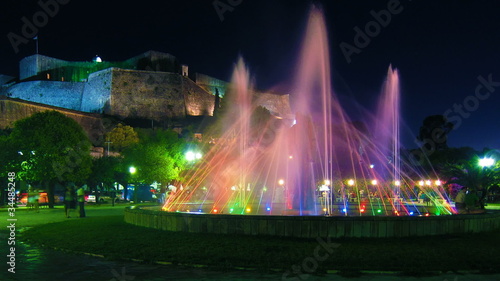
column 316, row 162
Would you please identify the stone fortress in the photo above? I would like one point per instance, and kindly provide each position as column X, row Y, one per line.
column 151, row 86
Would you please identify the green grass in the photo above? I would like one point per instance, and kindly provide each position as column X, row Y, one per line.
column 112, row 237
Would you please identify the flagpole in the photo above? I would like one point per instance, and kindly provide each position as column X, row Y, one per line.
column 36, row 42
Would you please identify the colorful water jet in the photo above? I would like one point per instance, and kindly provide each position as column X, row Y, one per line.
column 314, row 162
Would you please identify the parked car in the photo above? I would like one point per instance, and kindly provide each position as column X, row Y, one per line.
column 104, row 196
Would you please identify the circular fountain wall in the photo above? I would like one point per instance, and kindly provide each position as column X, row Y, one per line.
column 313, row 226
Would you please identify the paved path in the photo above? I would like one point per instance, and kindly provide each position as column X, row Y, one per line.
column 35, row 263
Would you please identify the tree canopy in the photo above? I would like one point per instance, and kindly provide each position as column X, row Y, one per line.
column 122, row 136
column 157, row 157
column 49, row 147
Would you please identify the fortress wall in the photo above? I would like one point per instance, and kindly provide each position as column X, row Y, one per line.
column 199, row 102
column 277, row 104
column 12, row 110
column 211, row 85
column 146, row 95
column 55, row 93
column 97, row 92
column 32, row 65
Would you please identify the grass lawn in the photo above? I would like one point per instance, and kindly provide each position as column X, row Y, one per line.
column 111, row 237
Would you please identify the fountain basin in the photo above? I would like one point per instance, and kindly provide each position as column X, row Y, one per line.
column 313, row 226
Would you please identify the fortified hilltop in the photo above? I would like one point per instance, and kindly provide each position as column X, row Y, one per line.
column 151, row 86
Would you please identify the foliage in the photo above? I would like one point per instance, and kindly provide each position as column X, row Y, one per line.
column 158, row 156
column 104, row 171
column 49, row 147
column 434, row 132
column 470, row 174
column 122, row 136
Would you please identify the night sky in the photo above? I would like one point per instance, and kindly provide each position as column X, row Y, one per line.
column 439, row 47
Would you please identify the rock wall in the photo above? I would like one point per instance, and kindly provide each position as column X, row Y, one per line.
column 97, row 92
column 12, row 110
column 198, row 101
column 61, row 94
column 146, row 95
column 211, row 85
column 154, row 95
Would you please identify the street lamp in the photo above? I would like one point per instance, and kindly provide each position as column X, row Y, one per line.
column 192, row 156
column 486, row 162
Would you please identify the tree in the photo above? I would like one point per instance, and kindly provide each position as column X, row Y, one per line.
column 105, row 172
column 470, row 174
column 158, row 156
column 434, row 132
column 122, row 136
column 50, row 148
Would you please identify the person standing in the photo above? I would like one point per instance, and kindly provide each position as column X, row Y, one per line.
column 80, row 193
column 69, row 200
column 460, row 200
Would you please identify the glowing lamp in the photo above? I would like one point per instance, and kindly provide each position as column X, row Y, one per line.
column 379, row 211
column 374, row 182
column 215, row 211
column 362, row 210
column 437, row 182
column 350, row 182
column 421, row 183
column 428, row 182
column 324, row 209
column 486, row 162
column 344, row 210
column 249, row 210
column 281, row 182
column 231, row 210
column 327, row 182
column 190, row 156
column 268, row 209
column 397, row 183
column 411, row 213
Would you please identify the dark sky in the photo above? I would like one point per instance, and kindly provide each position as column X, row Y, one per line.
column 439, row 47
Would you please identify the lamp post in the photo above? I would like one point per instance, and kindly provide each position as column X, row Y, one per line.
column 132, row 170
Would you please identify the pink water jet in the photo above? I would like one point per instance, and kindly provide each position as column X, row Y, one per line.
column 317, row 162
